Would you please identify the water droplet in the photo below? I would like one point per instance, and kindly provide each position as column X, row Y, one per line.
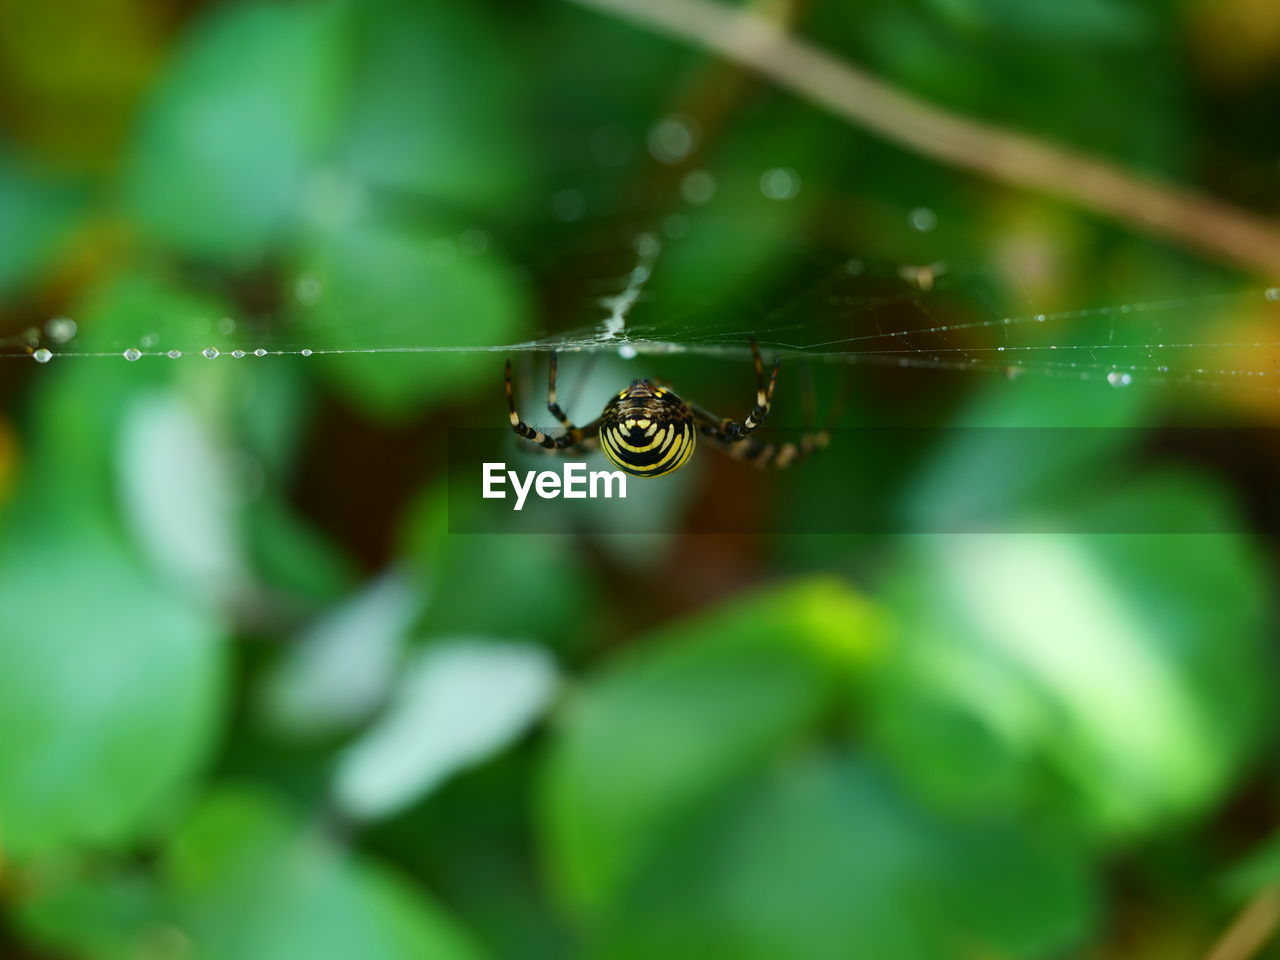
column 43, row 355
column 780, row 183
column 307, row 289
column 174, row 354
column 133, row 353
column 1000, row 349
column 627, row 352
column 238, row 354
column 1162, row 368
column 210, row 352
column 1040, row 318
column 1273, row 293
column 672, row 139
column 305, row 352
column 1118, row 378
column 698, row 187
column 60, row 329
column 647, row 246
column 260, row 352
column 922, row 219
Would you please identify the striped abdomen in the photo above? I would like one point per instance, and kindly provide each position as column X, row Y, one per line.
column 647, row 431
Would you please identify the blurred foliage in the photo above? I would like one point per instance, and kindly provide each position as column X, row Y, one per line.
column 257, row 700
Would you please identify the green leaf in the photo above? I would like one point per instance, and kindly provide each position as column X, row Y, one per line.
column 458, row 703
column 290, row 554
column 147, row 307
column 1114, row 680
column 381, row 286
column 109, row 912
column 1017, row 458
column 254, row 882
column 820, row 858
column 1084, row 21
column 464, row 572
column 1030, row 78
column 246, row 108
column 1257, row 870
column 694, row 710
column 731, row 246
column 179, row 493
column 460, row 138
column 342, row 667
column 36, row 214
column 80, row 407
column 110, row 688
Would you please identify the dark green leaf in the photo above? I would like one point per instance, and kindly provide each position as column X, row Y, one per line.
column 692, row 712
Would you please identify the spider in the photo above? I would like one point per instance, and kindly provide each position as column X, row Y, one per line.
column 647, row 430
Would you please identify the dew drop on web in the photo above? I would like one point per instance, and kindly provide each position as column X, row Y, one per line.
column 60, row 329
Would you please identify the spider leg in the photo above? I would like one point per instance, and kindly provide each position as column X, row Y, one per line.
column 761, row 454
column 573, row 437
column 591, row 437
column 736, row 439
column 553, row 405
column 731, row 430
column 588, row 441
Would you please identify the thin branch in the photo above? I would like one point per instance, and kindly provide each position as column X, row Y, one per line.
column 1211, row 226
column 1251, row 929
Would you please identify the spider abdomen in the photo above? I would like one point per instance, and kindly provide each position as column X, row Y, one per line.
column 648, row 431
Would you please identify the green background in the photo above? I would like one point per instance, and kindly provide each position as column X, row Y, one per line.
column 256, row 701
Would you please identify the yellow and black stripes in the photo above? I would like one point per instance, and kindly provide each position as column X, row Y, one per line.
column 763, row 404
column 553, row 404
column 648, row 431
column 645, row 447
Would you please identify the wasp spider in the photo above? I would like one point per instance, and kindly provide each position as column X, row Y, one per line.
column 648, row 430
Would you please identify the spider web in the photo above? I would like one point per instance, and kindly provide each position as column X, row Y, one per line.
column 606, row 282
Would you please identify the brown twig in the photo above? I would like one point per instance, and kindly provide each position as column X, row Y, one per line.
column 1253, row 926
column 1211, row 226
